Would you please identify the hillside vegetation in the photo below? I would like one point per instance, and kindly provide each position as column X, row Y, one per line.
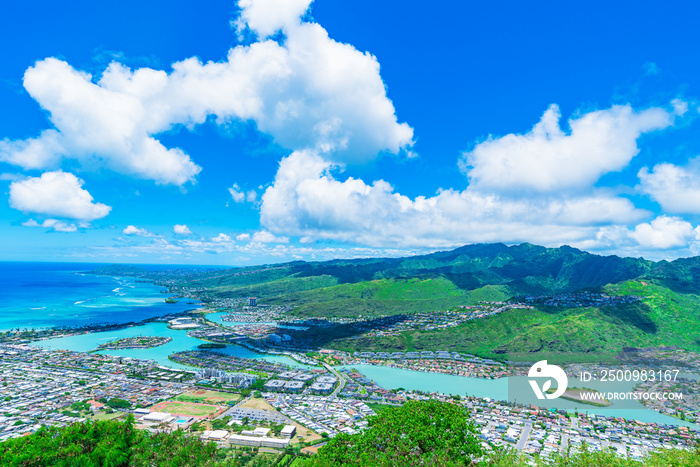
column 417, row 433
column 668, row 314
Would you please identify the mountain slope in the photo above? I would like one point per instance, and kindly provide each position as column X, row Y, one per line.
column 667, row 314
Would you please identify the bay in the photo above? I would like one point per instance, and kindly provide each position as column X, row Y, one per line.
column 180, row 342
column 514, row 389
column 42, row 295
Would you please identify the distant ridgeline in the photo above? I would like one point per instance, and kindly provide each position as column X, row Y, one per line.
column 662, row 308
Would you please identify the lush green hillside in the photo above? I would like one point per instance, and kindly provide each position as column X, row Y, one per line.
column 420, row 283
column 661, row 318
column 669, row 313
column 374, row 297
column 449, row 275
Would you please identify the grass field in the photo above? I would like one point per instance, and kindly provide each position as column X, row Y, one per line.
column 255, row 403
column 107, row 416
column 204, row 396
column 187, row 408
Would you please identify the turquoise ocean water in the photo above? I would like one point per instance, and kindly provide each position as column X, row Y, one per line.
column 40, row 295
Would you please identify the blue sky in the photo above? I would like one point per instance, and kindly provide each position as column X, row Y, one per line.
column 271, row 130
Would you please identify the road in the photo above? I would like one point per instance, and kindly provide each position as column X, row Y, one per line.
column 341, row 380
column 527, row 428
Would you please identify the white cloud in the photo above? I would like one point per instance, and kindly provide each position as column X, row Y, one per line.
column 221, row 238
column 181, row 229
column 107, row 123
column 33, row 153
column 254, row 252
column 236, row 193
column 133, row 230
column 263, row 236
column 243, row 237
column 547, row 159
column 664, row 232
column 307, row 201
column 56, row 194
column 675, row 188
column 680, row 107
column 54, row 224
column 239, row 196
column 266, row 17
column 308, row 91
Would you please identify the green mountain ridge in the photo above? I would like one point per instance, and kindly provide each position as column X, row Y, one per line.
column 667, row 314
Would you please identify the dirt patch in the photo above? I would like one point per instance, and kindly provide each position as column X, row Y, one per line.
column 188, row 408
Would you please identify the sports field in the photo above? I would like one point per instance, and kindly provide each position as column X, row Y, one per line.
column 187, row 408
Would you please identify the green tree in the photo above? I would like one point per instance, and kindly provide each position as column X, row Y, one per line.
column 118, row 403
column 418, row 433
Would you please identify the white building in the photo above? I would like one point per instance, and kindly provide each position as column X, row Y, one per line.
column 157, row 417
column 288, row 431
column 216, row 435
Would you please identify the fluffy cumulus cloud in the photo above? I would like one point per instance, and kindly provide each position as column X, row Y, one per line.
column 221, row 238
column 133, row 230
column 665, row 232
column 263, row 236
column 56, row 194
column 549, row 159
column 675, row 188
column 307, row 91
column 98, row 123
column 181, row 229
column 267, row 17
column 665, row 237
column 308, row 201
column 325, row 102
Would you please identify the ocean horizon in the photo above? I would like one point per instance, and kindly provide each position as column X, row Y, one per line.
column 45, row 294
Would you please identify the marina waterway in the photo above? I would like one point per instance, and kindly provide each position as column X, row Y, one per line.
column 513, row 389
column 180, row 342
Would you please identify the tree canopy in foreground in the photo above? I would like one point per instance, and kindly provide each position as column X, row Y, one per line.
column 418, row 433
column 105, row 444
